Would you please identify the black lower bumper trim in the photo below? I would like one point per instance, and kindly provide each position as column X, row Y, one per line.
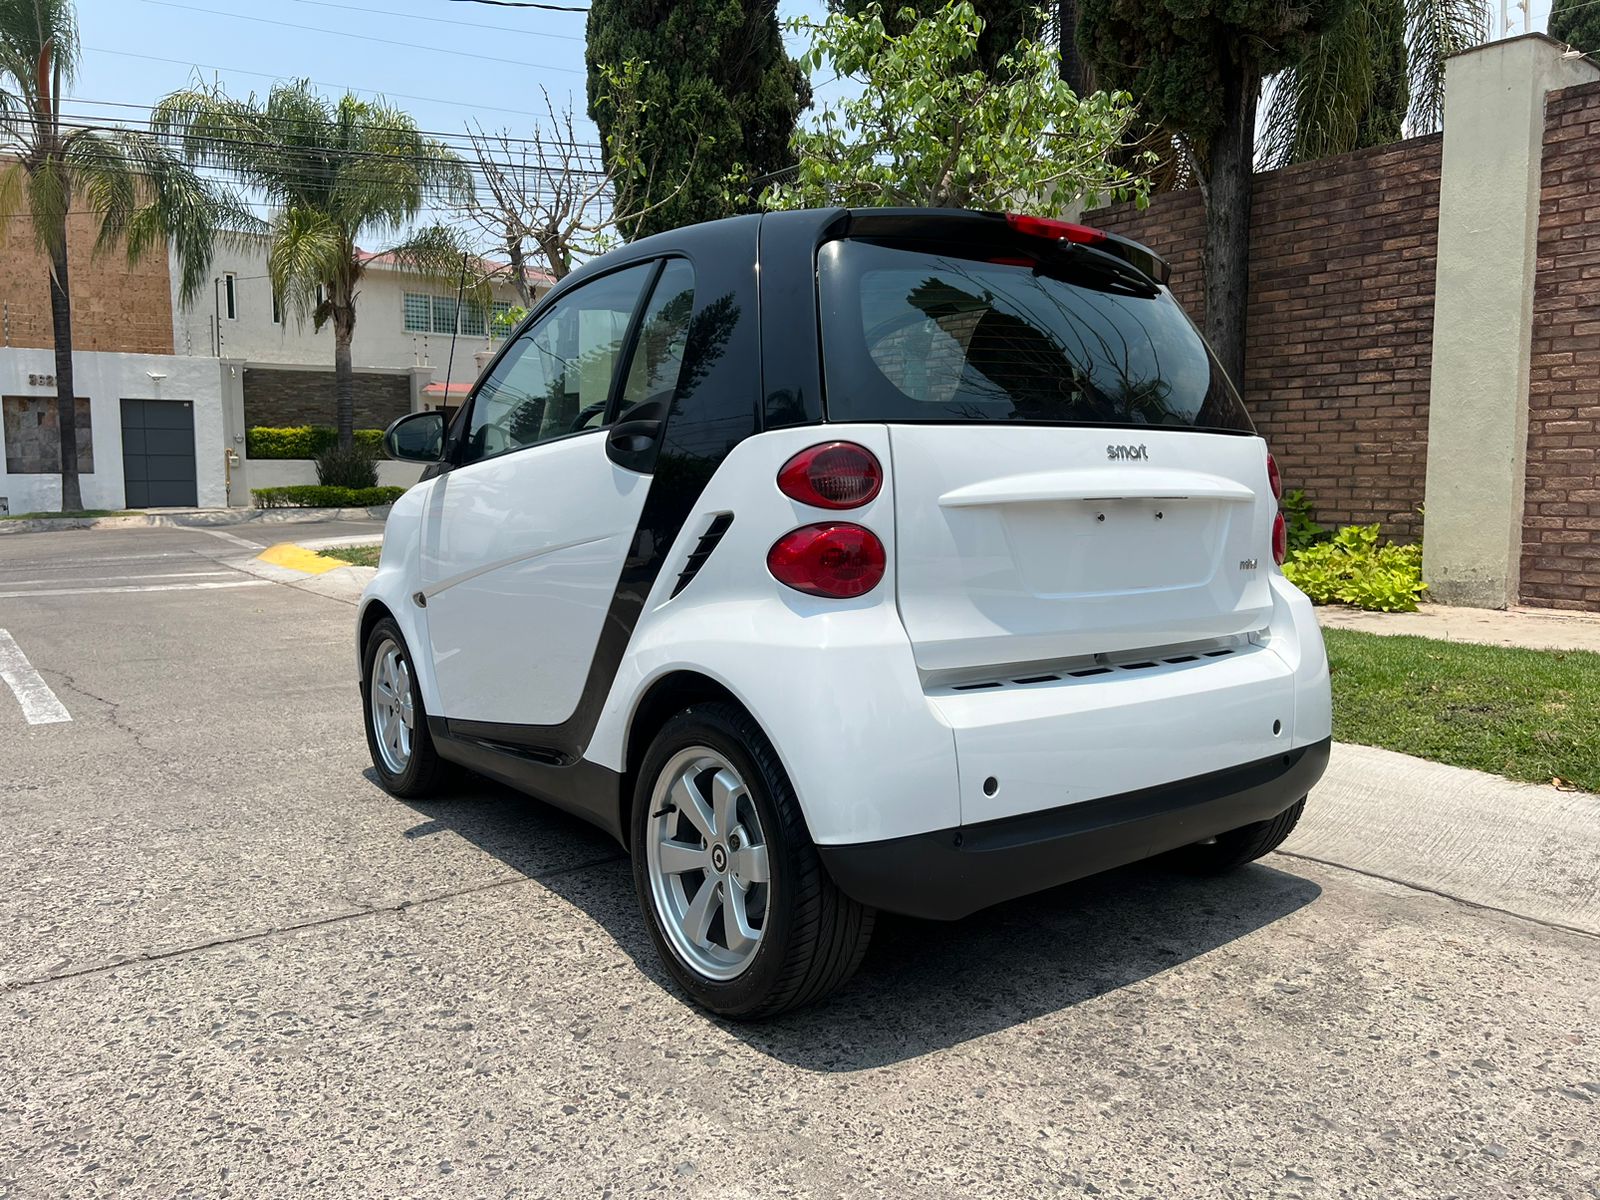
column 952, row 872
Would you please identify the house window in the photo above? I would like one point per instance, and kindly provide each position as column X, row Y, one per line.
column 437, row 314
column 230, row 300
column 277, row 307
column 417, row 313
column 498, row 328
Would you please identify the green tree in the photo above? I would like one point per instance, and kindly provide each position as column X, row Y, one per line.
column 1006, row 23
column 142, row 195
column 930, row 127
column 1374, row 71
column 1196, row 68
column 335, row 172
column 715, row 95
column 1577, row 23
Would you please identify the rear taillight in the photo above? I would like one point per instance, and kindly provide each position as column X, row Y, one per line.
column 1061, row 231
column 832, row 475
column 1274, row 478
column 1280, row 539
column 834, row 560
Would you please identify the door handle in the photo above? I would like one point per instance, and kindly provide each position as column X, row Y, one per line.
column 633, row 437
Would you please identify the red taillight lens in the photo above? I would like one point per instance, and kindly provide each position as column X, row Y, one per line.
column 1061, row 231
column 1273, row 478
column 832, row 475
column 1280, row 539
column 837, row 561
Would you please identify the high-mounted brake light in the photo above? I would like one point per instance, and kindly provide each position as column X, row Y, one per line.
column 839, row 561
column 1280, row 539
column 1060, row 231
column 832, row 475
column 1273, row 478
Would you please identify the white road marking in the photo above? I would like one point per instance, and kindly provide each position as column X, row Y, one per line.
column 154, row 587
column 119, row 578
column 228, row 537
column 39, row 703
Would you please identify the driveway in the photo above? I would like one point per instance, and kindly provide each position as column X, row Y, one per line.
column 230, row 966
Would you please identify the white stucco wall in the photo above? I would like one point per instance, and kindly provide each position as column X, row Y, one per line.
column 380, row 339
column 289, row 472
column 106, row 380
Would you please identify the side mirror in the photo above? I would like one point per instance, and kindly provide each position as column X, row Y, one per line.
column 416, row 437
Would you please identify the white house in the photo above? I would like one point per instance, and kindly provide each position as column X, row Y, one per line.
column 402, row 320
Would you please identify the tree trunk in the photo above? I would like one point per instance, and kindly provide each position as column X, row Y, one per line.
column 66, row 394
column 1226, row 256
column 1072, row 64
column 344, row 377
column 519, row 272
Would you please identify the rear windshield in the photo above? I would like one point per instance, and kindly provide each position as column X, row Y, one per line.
column 1059, row 336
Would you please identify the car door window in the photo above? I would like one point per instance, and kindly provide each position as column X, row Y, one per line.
column 657, row 364
column 556, row 378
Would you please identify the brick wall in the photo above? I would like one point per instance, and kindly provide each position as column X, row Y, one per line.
column 114, row 306
column 1340, row 320
column 1561, row 520
column 286, row 397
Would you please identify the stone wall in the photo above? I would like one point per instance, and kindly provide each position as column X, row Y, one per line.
column 278, row 397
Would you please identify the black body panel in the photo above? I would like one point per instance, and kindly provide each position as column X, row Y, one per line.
column 949, row 873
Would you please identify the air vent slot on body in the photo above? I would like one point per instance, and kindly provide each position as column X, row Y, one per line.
column 702, row 551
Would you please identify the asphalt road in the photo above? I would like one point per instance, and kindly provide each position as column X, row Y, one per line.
column 230, row 966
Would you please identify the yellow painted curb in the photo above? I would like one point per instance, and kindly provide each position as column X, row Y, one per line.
column 298, row 558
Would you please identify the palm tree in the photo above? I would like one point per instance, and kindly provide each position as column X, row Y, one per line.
column 143, row 195
column 336, row 172
column 1377, row 70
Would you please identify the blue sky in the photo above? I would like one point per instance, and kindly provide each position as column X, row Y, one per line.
column 459, row 62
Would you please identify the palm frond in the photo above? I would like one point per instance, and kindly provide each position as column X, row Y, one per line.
column 308, row 250
column 444, row 257
column 1315, row 108
column 1436, row 29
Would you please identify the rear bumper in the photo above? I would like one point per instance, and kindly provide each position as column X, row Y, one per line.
column 949, row 873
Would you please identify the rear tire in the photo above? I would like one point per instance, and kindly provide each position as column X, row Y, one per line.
column 738, row 903
column 402, row 750
column 1245, row 844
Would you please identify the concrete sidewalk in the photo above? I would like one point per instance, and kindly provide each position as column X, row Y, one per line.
column 1520, row 848
column 197, row 518
column 1530, row 628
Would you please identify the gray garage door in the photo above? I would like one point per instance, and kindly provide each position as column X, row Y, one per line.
column 158, row 453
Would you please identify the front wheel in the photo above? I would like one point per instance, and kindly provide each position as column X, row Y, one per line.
column 397, row 723
column 738, row 903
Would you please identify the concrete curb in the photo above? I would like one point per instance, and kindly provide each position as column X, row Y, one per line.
column 1523, row 848
column 200, row 518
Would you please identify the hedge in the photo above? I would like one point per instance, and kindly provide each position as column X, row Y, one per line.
column 316, row 495
column 302, row 441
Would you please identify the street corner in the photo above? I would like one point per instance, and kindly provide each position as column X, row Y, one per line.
column 291, row 556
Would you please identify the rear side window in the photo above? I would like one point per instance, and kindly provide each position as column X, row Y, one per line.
column 1057, row 336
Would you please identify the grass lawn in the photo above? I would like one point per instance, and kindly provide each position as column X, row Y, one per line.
column 1525, row 714
column 361, row 556
column 78, row 512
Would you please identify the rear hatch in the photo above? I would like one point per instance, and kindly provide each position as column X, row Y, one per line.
column 1074, row 478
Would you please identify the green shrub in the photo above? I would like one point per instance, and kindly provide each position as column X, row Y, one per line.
column 302, row 441
column 356, row 467
column 316, row 495
column 1303, row 531
column 1354, row 568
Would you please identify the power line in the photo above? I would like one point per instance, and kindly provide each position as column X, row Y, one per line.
column 387, row 12
column 456, row 141
column 365, row 37
column 561, row 8
column 342, row 87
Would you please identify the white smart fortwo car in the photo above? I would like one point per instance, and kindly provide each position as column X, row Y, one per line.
column 851, row 560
